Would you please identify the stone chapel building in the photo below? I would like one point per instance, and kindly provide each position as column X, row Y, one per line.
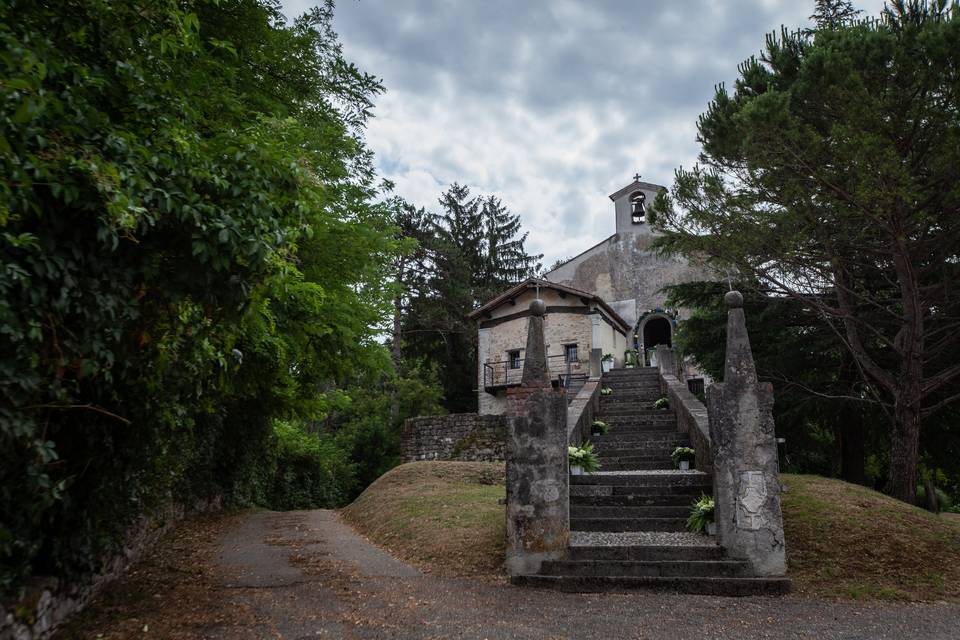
column 575, row 323
column 628, row 274
column 607, row 299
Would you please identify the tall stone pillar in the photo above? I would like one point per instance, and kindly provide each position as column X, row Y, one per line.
column 538, row 511
column 746, row 481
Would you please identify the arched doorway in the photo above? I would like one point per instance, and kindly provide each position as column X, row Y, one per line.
column 657, row 331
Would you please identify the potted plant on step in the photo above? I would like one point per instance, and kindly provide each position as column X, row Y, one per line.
column 582, row 459
column 683, row 457
column 631, row 358
column 662, row 403
column 606, row 362
column 700, row 519
column 606, row 391
column 599, row 428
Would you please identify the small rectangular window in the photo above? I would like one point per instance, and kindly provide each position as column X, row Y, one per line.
column 514, row 357
column 570, row 353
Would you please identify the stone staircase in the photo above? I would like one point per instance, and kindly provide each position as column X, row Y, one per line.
column 628, row 521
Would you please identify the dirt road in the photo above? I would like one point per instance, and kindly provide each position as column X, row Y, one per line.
column 305, row 575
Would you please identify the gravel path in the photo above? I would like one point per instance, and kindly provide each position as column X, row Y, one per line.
column 306, row 575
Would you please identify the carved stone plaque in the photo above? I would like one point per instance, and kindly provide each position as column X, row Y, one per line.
column 750, row 500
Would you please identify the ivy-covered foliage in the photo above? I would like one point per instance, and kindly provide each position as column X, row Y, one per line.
column 190, row 251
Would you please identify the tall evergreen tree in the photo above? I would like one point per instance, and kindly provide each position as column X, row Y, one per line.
column 474, row 249
column 831, row 176
column 505, row 258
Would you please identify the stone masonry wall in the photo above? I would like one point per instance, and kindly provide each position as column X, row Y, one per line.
column 47, row 602
column 460, row 436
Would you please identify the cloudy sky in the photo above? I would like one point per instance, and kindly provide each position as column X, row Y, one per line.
column 549, row 104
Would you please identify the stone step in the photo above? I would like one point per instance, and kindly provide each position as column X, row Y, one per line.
column 624, row 454
column 718, row 586
column 622, row 429
column 635, row 372
column 643, row 444
column 641, row 456
column 602, row 511
column 632, row 393
column 640, row 433
column 645, row 552
column 627, row 409
column 638, row 568
column 644, row 478
column 626, row 420
column 677, row 500
column 639, row 403
column 634, row 455
column 637, row 446
column 625, row 429
column 632, row 383
column 628, row 524
column 661, row 465
column 691, row 492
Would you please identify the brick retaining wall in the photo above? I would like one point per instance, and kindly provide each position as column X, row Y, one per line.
column 459, row 436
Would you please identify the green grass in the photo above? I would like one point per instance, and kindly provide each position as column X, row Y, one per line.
column 843, row 540
column 443, row 517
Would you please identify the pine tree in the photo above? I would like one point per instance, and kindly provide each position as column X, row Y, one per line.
column 834, row 13
column 505, row 259
column 830, row 176
column 474, row 249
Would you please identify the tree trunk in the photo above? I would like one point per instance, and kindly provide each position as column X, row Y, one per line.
column 851, row 430
column 905, row 440
column 905, row 443
column 852, row 449
column 396, row 353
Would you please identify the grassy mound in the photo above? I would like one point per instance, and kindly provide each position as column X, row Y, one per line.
column 442, row 517
column 843, row 540
column 848, row 541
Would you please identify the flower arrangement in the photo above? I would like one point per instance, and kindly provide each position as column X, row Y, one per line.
column 599, row 428
column 607, row 356
column 700, row 519
column 662, row 403
column 631, row 358
column 606, row 391
column 583, row 457
column 682, row 454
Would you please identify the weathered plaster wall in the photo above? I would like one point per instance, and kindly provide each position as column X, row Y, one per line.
column 623, row 268
column 460, row 436
column 504, row 334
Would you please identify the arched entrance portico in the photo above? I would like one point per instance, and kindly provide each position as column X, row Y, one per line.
column 653, row 329
column 657, row 330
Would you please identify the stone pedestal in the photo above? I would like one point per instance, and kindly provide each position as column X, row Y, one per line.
column 596, row 368
column 746, row 480
column 666, row 360
column 538, row 514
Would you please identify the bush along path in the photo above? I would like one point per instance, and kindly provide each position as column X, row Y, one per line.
column 628, row 520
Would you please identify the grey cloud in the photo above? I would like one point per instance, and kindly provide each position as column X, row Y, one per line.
column 499, row 94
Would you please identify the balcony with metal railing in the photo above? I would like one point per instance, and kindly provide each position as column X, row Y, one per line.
column 502, row 374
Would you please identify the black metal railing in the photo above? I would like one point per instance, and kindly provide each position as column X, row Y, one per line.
column 696, row 386
column 507, row 373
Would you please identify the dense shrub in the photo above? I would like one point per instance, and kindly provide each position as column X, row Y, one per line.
column 311, row 470
column 189, row 250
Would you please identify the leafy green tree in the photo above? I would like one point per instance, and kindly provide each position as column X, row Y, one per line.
column 190, row 250
column 368, row 427
column 830, row 175
column 474, row 249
